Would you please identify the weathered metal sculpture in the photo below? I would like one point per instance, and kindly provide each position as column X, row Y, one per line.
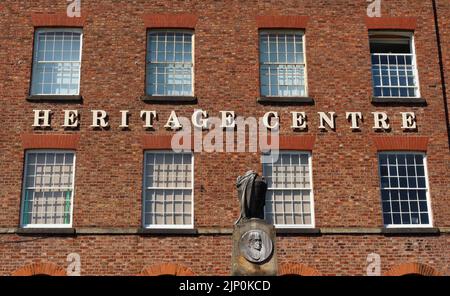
column 252, row 196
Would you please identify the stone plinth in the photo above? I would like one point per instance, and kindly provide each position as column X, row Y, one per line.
column 254, row 251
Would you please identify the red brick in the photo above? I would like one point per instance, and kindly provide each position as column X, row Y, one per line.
column 109, row 163
column 401, row 143
column 303, row 143
column 30, row 141
column 412, row 268
column 57, row 20
column 167, row 269
column 179, row 21
column 281, row 22
column 40, row 268
column 391, row 23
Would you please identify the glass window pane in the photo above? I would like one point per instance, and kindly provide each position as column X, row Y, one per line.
column 395, row 56
column 170, row 64
column 400, row 195
column 48, row 189
column 168, row 188
column 289, row 193
column 56, row 69
column 282, row 59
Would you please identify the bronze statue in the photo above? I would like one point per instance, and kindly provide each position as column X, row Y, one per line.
column 252, row 195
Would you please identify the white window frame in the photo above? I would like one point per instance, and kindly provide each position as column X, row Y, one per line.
column 147, row 59
column 36, row 52
column 411, row 37
column 145, row 187
column 425, row 164
column 311, row 188
column 69, row 225
column 291, row 31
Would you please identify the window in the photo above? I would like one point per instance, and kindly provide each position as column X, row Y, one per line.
column 57, row 62
column 404, row 189
column 394, row 70
column 282, row 64
column 289, row 199
column 168, row 190
column 170, row 67
column 48, row 189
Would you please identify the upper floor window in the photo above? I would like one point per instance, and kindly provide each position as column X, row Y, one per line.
column 282, row 64
column 168, row 190
column 404, row 189
column 170, row 66
column 394, row 69
column 57, row 62
column 48, row 188
column 289, row 199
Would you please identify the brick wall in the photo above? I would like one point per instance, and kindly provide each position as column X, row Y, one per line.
column 108, row 185
column 443, row 11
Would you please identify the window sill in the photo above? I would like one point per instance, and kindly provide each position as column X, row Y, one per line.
column 169, row 99
column 312, row 231
column 54, row 231
column 409, row 101
column 286, row 100
column 168, row 231
column 56, row 98
column 409, row 231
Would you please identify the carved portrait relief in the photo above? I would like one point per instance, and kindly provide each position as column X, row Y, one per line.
column 256, row 246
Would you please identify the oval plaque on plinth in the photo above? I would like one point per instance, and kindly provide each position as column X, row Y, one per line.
column 256, row 246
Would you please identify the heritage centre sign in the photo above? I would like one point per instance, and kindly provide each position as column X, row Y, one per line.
column 227, row 120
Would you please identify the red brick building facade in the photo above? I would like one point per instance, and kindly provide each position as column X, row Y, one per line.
column 106, row 229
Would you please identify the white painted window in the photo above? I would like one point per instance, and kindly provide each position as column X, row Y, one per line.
column 48, row 188
column 170, row 66
column 282, row 64
column 394, row 68
column 168, row 190
column 404, row 189
column 289, row 199
column 57, row 62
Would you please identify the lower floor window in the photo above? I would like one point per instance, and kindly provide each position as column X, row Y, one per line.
column 168, row 190
column 48, row 188
column 289, row 200
column 404, row 189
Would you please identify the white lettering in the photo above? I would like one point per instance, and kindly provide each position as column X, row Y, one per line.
column 199, row 119
column 99, row 118
column 380, row 120
column 70, row 119
column 267, row 119
column 325, row 119
column 124, row 122
column 45, row 118
column 173, row 123
column 228, row 119
column 355, row 117
column 298, row 120
column 408, row 120
column 148, row 116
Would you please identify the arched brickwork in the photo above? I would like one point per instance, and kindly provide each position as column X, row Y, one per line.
column 40, row 268
column 166, row 269
column 297, row 269
column 412, row 268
